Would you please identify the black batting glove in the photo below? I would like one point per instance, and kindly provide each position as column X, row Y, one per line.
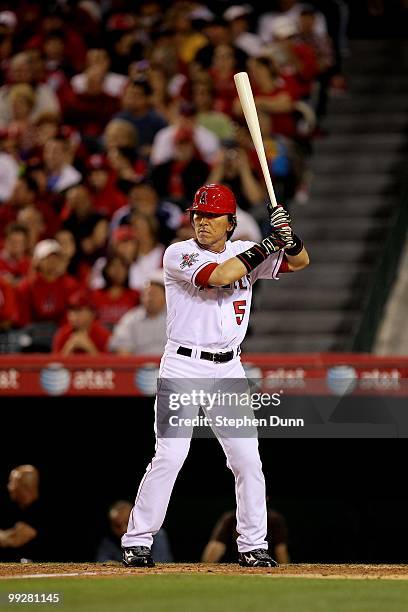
column 273, row 243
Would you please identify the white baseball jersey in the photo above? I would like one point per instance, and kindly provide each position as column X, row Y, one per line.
column 212, row 317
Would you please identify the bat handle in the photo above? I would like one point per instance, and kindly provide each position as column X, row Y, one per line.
column 268, row 180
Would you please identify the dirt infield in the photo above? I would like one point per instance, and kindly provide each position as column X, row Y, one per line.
column 94, row 570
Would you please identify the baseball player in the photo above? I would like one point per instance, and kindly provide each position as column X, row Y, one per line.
column 208, row 282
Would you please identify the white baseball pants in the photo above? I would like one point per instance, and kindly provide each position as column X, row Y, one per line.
column 242, row 455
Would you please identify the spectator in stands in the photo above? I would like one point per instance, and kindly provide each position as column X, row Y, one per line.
column 295, row 60
column 222, row 544
column 185, row 231
column 8, row 23
column 93, row 239
column 120, row 134
column 91, row 109
column 110, row 548
column 126, row 164
column 324, row 52
column 136, row 108
column 216, row 32
column 66, row 240
column 105, row 195
column 336, row 14
column 33, row 221
column 113, row 83
column 24, row 194
column 57, row 69
column 61, row 175
column 187, row 40
column 164, row 54
column 125, row 47
column 22, row 98
column 8, row 168
column 77, row 209
column 89, row 227
column 8, row 305
column 272, row 96
column 233, row 169
column 14, row 261
column 289, row 9
column 70, row 256
column 83, row 333
column 160, row 98
column 23, row 532
column 237, row 17
column 223, row 67
column 164, row 144
column 56, row 19
column 122, row 244
column 115, row 298
column 143, row 197
column 203, row 100
column 180, row 177
column 149, row 250
column 43, row 296
column 142, row 330
column 47, row 127
column 54, row 53
column 21, row 72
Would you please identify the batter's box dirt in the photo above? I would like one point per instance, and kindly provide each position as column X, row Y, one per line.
column 94, row 570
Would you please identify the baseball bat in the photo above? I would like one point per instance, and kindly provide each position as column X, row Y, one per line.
column 248, row 106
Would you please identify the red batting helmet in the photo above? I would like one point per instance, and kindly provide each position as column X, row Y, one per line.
column 215, row 199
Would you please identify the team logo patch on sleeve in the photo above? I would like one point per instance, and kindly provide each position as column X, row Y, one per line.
column 188, row 259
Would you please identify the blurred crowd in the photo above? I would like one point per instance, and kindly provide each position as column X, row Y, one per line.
column 112, row 114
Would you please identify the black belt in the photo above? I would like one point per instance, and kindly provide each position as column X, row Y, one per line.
column 215, row 357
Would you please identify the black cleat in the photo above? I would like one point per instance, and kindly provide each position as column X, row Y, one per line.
column 137, row 556
column 256, row 558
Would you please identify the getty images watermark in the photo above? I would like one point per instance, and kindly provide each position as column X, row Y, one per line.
column 219, row 400
column 226, row 408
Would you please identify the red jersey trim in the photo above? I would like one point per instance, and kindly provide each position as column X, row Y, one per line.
column 201, row 279
column 284, row 267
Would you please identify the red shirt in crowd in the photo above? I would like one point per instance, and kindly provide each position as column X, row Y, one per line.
column 110, row 309
column 225, row 92
column 109, row 199
column 41, row 300
column 97, row 333
column 281, row 123
column 9, row 212
column 300, row 81
column 75, row 47
column 90, row 113
column 17, row 268
column 8, row 306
